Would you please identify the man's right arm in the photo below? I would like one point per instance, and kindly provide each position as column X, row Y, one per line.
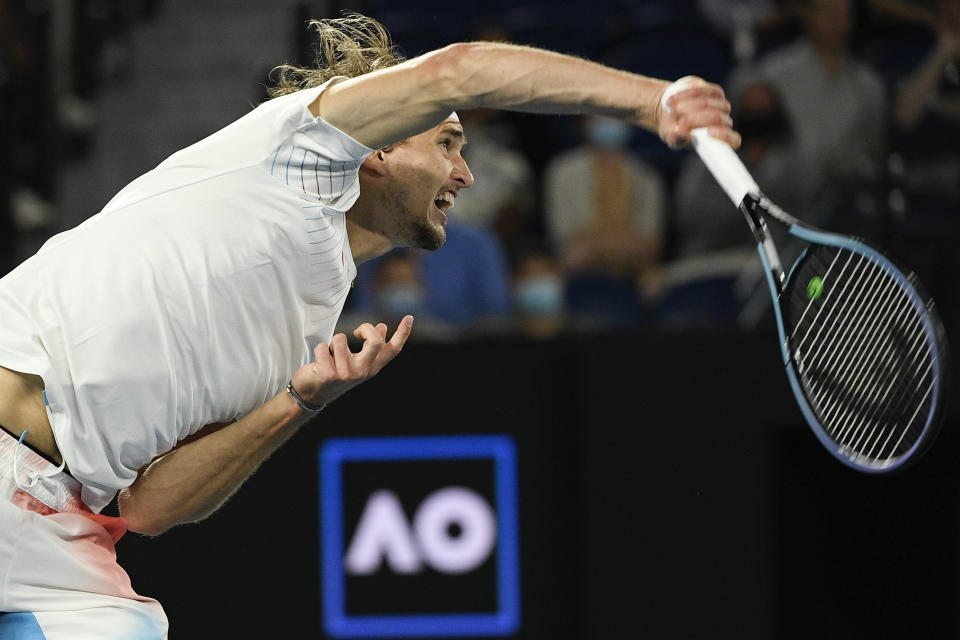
column 390, row 105
column 199, row 475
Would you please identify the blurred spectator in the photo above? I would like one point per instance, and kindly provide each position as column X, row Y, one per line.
column 505, row 201
column 51, row 66
column 604, row 213
column 461, row 290
column 538, row 293
column 750, row 26
column 27, row 124
column 468, row 283
column 933, row 88
column 397, row 288
column 920, row 13
column 925, row 167
column 835, row 103
column 934, row 85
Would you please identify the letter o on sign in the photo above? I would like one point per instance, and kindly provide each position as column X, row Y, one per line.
column 477, row 525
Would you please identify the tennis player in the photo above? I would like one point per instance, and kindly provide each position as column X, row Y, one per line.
column 166, row 346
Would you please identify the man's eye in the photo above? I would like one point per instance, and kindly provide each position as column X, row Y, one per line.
column 445, row 143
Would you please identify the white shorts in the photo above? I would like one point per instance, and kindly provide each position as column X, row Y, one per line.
column 58, row 561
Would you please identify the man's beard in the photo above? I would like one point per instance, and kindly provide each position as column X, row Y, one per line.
column 417, row 231
column 427, row 236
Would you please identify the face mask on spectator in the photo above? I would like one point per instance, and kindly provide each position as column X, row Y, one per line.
column 539, row 295
column 401, row 299
column 607, row 133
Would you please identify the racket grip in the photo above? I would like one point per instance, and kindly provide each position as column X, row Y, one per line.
column 725, row 165
column 720, row 158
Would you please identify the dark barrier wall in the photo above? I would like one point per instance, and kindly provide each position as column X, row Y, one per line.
column 667, row 488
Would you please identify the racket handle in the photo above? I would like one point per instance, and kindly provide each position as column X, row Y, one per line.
column 720, row 158
column 725, row 165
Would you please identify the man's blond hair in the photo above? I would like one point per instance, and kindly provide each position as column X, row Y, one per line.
column 349, row 46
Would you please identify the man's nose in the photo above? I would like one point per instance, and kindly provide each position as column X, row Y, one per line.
column 461, row 173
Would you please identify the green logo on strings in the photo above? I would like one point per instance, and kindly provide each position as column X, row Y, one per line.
column 814, row 288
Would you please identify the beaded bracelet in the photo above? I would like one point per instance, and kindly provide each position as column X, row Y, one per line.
column 303, row 404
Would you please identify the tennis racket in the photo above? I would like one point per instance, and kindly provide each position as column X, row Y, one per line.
column 863, row 346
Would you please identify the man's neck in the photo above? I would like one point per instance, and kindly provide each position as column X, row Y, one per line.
column 364, row 244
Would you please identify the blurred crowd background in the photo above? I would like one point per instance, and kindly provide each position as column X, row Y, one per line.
column 849, row 110
column 647, row 492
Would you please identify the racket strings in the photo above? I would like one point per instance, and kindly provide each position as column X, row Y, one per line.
column 859, row 428
column 853, row 376
column 853, row 413
column 888, row 393
column 837, row 322
column 903, row 432
column 839, row 327
column 904, row 385
column 823, row 304
column 859, row 425
column 861, row 353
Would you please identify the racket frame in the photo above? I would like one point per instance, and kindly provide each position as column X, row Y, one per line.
column 736, row 181
column 756, row 207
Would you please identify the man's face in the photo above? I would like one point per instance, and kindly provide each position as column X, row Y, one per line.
column 426, row 173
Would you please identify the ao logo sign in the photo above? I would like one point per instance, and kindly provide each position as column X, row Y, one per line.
column 454, row 531
column 419, row 537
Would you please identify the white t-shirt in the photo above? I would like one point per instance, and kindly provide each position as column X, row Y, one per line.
column 193, row 296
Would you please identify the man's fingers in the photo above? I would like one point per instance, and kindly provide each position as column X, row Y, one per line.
column 691, row 100
column 726, row 134
column 366, row 331
column 705, row 117
column 693, row 93
column 698, row 111
column 324, row 365
column 402, row 333
column 341, row 356
column 393, row 347
column 694, row 104
column 321, row 353
column 718, row 124
column 372, row 344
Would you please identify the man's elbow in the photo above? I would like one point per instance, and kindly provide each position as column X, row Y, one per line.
column 444, row 73
column 140, row 518
column 146, row 525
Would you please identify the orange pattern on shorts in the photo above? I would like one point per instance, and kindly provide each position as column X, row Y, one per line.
column 115, row 527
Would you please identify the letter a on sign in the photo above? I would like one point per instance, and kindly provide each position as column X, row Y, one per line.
column 382, row 532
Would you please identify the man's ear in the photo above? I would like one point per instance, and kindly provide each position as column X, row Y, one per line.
column 375, row 163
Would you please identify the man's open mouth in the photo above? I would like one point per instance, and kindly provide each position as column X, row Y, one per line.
column 444, row 201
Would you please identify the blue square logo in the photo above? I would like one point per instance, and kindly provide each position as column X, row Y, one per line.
column 419, row 536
